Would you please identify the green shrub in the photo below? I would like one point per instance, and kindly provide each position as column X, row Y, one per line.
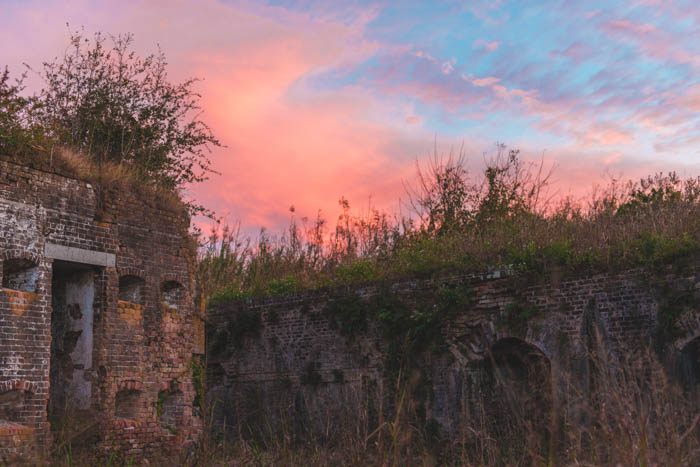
column 361, row 270
column 282, row 286
column 229, row 295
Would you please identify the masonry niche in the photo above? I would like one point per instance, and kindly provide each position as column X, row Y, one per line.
column 19, row 274
column 73, row 298
column 519, row 391
column 689, row 366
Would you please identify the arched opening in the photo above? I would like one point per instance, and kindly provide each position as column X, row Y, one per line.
column 12, row 404
column 131, row 289
column 689, row 365
column 518, row 396
column 170, row 410
column 19, row 274
column 172, row 294
column 127, row 404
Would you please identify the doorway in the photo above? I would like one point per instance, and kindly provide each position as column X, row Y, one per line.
column 73, row 297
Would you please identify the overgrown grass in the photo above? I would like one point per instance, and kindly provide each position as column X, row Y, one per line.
column 106, row 177
column 651, row 223
column 633, row 414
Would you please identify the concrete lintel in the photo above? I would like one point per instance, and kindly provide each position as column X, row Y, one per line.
column 78, row 255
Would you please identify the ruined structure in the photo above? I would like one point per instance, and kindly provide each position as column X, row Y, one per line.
column 324, row 358
column 97, row 316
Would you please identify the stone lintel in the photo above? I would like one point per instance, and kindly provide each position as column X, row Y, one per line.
column 78, row 255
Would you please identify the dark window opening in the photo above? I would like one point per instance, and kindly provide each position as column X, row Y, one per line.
column 19, row 274
column 518, row 389
column 173, row 294
column 170, row 408
column 12, row 404
column 128, row 404
column 131, row 289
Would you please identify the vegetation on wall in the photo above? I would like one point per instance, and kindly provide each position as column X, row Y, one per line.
column 517, row 317
column 244, row 324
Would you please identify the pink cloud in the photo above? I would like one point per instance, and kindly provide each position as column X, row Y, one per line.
column 489, row 46
column 655, row 43
column 286, row 143
column 485, row 81
column 577, row 52
column 605, row 136
column 289, row 143
column 630, row 27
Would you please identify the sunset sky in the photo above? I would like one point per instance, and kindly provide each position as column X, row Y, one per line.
column 319, row 99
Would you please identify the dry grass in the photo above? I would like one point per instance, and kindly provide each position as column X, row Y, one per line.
column 651, row 223
column 108, row 176
column 634, row 414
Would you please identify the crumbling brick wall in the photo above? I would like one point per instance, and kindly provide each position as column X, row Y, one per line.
column 141, row 353
column 300, row 368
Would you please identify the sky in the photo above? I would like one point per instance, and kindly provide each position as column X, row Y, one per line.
column 315, row 100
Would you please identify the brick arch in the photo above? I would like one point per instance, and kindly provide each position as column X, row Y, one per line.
column 131, row 271
column 129, row 385
column 20, row 254
column 15, row 394
column 519, row 346
column 18, row 385
column 173, row 277
column 541, row 345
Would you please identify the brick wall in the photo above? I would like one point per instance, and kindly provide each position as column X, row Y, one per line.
column 301, row 370
column 143, row 349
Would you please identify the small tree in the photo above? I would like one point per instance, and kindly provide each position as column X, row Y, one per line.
column 18, row 133
column 445, row 198
column 511, row 187
column 113, row 106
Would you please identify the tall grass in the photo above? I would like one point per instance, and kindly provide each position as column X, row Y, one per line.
column 462, row 224
column 634, row 414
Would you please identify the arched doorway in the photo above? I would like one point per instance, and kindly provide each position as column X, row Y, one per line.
column 518, row 396
column 689, row 366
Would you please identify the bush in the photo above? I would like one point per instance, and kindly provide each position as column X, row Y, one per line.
column 116, row 108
